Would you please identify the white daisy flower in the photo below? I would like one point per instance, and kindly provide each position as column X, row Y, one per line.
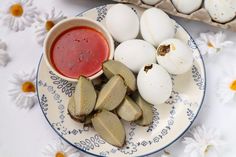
column 19, row 14
column 226, row 90
column 203, row 143
column 211, row 43
column 46, row 22
column 24, row 91
column 4, row 57
column 60, row 149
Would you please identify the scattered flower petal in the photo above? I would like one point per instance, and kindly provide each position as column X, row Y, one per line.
column 24, row 90
column 203, row 143
column 45, row 22
column 226, row 90
column 18, row 15
column 60, row 149
column 4, row 57
column 212, row 43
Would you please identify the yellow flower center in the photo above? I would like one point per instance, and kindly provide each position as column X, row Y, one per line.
column 16, row 10
column 233, row 85
column 60, row 154
column 49, row 25
column 210, row 45
column 167, row 153
column 207, row 149
column 28, row 87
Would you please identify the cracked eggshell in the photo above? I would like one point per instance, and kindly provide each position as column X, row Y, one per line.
column 187, row 6
column 135, row 53
column 175, row 56
column 122, row 22
column 156, row 26
column 151, row 2
column 221, row 11
column 154, row 84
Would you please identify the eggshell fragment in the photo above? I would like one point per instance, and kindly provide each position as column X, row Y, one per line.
column 135, row 53
column 175, row 56
column 154, row 84
column 122, row 22
column 156, row 26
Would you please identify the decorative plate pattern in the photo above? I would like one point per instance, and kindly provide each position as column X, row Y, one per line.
column 170, row 120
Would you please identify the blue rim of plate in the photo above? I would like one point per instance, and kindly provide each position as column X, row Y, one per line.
column 203, row 97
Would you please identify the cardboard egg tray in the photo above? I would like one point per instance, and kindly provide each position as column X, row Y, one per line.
column 200, row 15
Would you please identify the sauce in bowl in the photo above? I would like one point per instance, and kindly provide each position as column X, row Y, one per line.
column 79, row 51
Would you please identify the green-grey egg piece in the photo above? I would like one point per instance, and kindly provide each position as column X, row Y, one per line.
column 147, row 117
column 109, row 127
column 71, row 111
column 129, row 110
column 111, row 68
column 112, row 94
column 85, row 97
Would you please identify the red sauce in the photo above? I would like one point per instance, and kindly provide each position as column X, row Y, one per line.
column 79, row 51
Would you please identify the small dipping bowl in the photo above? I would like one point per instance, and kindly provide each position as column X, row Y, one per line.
column 68, row 24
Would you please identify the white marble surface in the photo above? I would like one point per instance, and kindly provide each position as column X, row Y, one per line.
column 26, row 133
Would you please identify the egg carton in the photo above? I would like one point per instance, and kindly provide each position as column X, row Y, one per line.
column 200, row 15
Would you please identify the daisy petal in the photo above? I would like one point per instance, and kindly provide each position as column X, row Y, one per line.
column 41, row 28
column 60, row 146
column 18, row 21
column 202, row 142
column 23, row 92
column 212, row 43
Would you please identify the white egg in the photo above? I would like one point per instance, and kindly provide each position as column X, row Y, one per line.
column 135, row 53
column 156, row 26
column 175, row 56
column 122, row 22
column 154, row 84
column 221, row 10
column 151, row 2
column 187, row 6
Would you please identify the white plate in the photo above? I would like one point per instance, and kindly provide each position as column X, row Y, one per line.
column 171, row 119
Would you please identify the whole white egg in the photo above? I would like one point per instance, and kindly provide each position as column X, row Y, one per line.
column 135, row 53
column 154, row 84
column 175, row 56
column 221, row 10
column 187, row 6
column 156, row 26
column 151, row 2
column 122, row 22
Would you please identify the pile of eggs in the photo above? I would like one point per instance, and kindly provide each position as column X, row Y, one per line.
column 148, row 47
column 221, row 11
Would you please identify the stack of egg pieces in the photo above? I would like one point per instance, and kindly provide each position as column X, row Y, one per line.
column 148, row 47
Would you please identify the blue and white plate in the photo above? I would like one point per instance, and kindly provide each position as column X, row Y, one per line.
column 170, row 120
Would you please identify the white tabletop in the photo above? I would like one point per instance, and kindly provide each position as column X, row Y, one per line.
column 25, row 133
